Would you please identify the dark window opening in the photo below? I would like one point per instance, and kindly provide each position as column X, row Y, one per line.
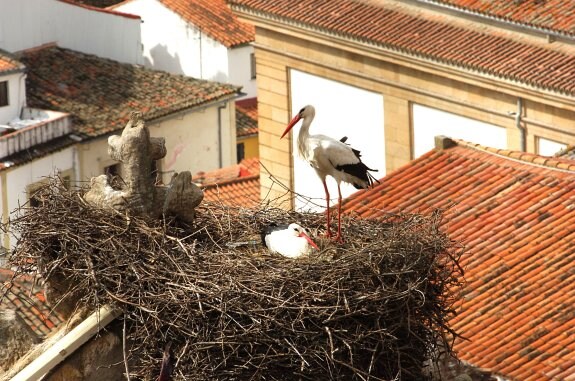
column 241, row 151
column 4, row 93
column 253, row 65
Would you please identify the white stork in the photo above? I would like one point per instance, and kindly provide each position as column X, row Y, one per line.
column 288, row 240
column 330, row 157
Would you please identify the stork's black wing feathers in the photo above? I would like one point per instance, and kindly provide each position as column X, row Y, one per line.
column 270, row 229
column 359, row 170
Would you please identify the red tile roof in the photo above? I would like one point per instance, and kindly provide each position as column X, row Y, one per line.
column 247, row 167
column 9, row 64
column 424, row 36
column 241, row 192
column 214, row 18
column 246, row 117
column 558, row 15
column 237, row 185
column 101, row 93
column 514, row 212
column 29, row 303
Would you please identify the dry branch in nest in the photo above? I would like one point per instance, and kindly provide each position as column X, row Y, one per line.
column 376, row 307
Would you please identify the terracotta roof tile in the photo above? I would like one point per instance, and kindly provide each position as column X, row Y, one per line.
column 29, row 303
column 556, row 15
column 237, row 185
column 9, row 64
column 424, row 37
column 516, row 220
column 214, row 18
column 247, row 167
column 241, row 192
column 101, row 93
column 246, row 117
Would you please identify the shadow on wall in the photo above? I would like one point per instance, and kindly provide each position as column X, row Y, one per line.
column 163, row 60
column 220, row 76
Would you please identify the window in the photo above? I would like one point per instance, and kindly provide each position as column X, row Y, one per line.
column 241, row 151
column 33, row 197
column 253, row 65
column 4, row 93
column 546, row 147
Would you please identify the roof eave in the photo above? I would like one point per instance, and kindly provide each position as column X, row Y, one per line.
column 405, row 58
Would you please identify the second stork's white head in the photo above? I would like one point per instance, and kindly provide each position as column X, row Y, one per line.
column 288, row 240
column 307, row 114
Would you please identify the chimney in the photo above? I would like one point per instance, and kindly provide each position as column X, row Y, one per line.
column 443, row 142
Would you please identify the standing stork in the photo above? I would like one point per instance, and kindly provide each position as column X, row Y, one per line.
column 330, row 157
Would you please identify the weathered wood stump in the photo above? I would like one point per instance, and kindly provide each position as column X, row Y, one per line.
column 137, row 151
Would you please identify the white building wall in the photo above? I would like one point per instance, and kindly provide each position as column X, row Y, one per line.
column 173, row 45
column 26, row 24
column 18, row 179
column 240, row 70
column 341, row 110
column 176, row 46
column 192, row 143
column 546, row 147
column 16, row 96
column 429, row 122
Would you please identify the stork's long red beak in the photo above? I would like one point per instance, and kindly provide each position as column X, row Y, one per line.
column 302, row 234
column 291, row 124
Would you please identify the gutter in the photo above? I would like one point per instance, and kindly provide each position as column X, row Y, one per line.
column 68, row 344
column 522, row 130
column 220, row 143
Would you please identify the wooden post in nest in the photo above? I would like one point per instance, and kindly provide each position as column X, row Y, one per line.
column 137, row 151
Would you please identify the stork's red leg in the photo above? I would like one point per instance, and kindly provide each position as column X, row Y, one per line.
column 339, row 237
column 328, row 233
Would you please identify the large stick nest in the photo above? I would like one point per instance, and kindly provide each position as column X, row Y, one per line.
column 376, row 307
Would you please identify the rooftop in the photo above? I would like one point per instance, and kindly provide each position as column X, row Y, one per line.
column 514, row 213
column 556, row 15
column 214, row 18
column 100, row 93
column 29, row 302
column 9, row 64
column 425, row 36
column 237, row 185
column 246, row 117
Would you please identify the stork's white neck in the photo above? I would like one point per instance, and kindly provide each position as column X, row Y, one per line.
column 303, row 135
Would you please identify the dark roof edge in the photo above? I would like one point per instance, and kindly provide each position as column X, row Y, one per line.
column 548, row 32
column 390, row 48
column 235, row 180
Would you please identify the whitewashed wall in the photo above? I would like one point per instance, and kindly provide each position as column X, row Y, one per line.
column 191, row 144
column 548, row 147
column 172, row 44
column 429, row 122
column 26, row 24
column 240, row 70
column 341, row 110
column 16, row 96
column 15, row 181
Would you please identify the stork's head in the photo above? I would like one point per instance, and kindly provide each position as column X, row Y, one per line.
column 300, row 232
column 308, row 112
